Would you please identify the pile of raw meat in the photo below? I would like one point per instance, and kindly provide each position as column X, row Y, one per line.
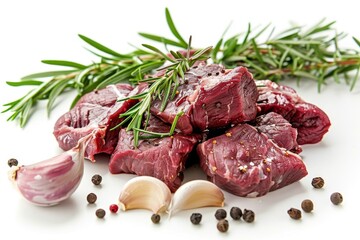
column 245, row 134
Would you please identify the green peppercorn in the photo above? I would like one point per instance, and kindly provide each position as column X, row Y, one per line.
column 96, row 179
column 220, row 214
column 12, row 162
column 100, row 213
column 236, row 213
column 294, row 213
column 223, row 225
column 155, row 218
column 248, row 216
column 317, row 182
column 336, row 198
column 307, row 205
column 195, row 218
column 91, row 198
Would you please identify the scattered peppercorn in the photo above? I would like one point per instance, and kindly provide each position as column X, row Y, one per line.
column 100, row 213
column 248, row 216
column 91, row 198
column 195, row 218
column 294, row 213
column 223, row 225
column 236, row 213
column 155, row 218
column 12, row 162
column 307, row 205
column 317, row 182
column 114, row 208
column 336, row 198
column 220, row 214
column 96, row 179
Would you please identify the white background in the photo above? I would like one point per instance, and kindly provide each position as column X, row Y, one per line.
column 34, row 30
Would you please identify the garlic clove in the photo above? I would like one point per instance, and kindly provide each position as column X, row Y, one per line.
column 196, row 194
column 53, row 180
column 144, row 192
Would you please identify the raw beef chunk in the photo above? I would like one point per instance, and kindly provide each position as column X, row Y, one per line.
column 279, row 130
column 211, row 97
column 247, row 163
column 96, row 112
column 163, row 158
column 311, row 122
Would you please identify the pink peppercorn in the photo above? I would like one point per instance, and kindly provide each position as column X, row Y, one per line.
column 114, row 208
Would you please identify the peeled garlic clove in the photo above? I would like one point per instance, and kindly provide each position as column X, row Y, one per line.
column 145, row 192
column 51, row 181
column 196, row 194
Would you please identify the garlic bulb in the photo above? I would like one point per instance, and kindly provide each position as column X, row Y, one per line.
column 51, row 181
column 145, row 192
column 196, row 194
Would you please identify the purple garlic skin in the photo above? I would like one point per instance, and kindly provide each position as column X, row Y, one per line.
column 51, row 181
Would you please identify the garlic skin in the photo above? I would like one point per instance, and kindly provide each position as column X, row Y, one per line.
column 144, row 192
column 51, row 181
column 196, row 194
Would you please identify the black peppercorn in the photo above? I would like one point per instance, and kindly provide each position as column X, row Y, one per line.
column 12, row 162
column 336, row 198
column 155, row 218
column 91, row 198
column 223, row 225
column 307, row 205
column 100, row 213
column 294, row 213
column 317, row 182
column 248, row 216
column 220, row 214
column 195, row 218
column 236, row 213
column 96, row 179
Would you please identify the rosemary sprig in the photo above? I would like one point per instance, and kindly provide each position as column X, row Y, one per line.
column 112, row 68
column 295, row 53
column 163, row 88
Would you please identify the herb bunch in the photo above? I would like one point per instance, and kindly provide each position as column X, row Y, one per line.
column 298, row 52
